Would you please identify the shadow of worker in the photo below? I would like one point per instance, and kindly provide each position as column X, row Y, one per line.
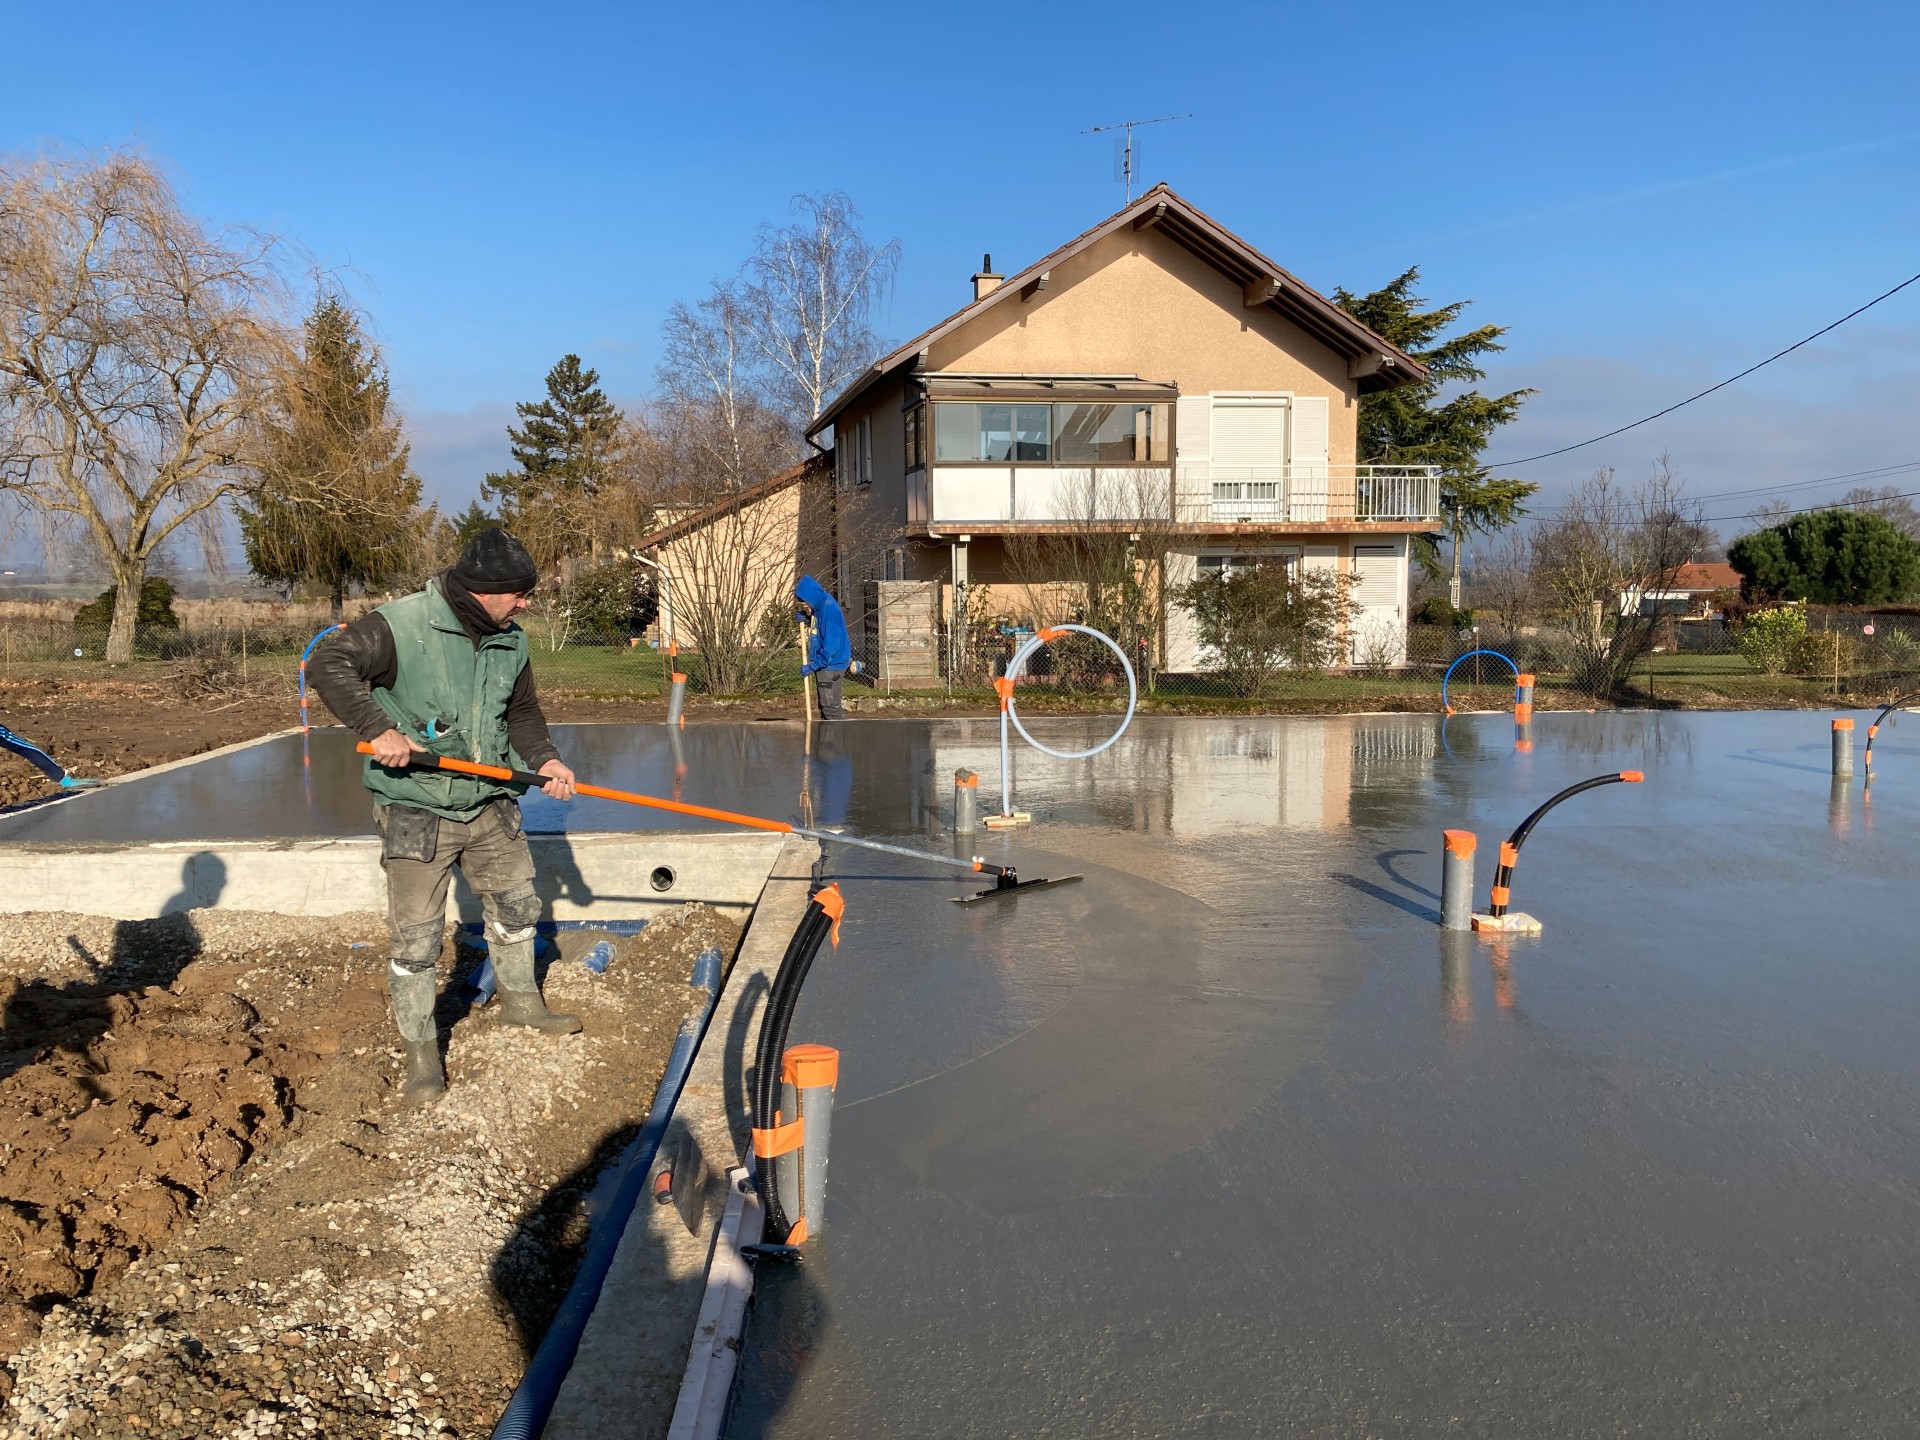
column 42, row 1015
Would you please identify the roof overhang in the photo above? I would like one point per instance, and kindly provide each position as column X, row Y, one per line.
column 949, row 386
column 1372, row 363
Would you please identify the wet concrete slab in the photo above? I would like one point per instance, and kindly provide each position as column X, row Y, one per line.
column 1230, row 1139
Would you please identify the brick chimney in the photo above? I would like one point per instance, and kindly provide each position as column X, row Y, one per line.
column 986, row 282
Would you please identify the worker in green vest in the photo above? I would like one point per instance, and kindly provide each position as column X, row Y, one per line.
column 445, row 672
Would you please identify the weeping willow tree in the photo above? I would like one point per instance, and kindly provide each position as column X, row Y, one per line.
column 337, row 504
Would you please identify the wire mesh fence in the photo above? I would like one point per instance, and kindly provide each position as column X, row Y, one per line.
column 1828, row 656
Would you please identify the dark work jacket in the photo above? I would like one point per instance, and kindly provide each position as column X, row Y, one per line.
column 349, row 665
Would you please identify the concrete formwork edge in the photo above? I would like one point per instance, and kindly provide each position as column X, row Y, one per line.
column 627, row 1374
column 581, row 877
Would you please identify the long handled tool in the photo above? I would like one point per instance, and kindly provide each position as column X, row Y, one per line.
column 1005, row 880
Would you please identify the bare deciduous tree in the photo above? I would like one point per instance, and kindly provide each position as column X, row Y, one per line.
column 1099, row 570
column 1504, row 586
column 715, row 432
column 808, row 295
column 1890, row 503
column 728, row 578
column 1609, row 547
column 137, row 347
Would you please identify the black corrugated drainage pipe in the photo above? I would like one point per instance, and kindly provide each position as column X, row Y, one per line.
column 527, row 1413
column 1510, row 848
column 770, row 1136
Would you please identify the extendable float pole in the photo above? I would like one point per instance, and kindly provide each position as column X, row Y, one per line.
column 1006, row 880
column 1843, row 748
column 1456, row 881
column 1496, row 917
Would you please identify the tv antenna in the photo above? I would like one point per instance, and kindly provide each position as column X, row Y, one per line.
column 1126, row 155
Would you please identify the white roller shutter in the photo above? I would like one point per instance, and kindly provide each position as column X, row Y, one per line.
column 1249, row 458
column 1307, row 480
column 1248, row 436
column 1192, row 443
column 1379, row 621
column 1309, row 430
column 1192, row 428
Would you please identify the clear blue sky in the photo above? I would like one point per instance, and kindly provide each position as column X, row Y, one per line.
column 1650, row 196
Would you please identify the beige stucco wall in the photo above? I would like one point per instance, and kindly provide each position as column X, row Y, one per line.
column 732, row 568
column 1136, row 303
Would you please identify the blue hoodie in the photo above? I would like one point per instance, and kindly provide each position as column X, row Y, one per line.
column 829, row 648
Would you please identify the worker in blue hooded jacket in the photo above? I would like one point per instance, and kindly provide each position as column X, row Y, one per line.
column 829, row 652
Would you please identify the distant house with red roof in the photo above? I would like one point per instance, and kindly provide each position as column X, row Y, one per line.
column 1691, row 594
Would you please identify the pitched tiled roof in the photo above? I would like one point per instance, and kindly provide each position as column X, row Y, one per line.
column 1206, row 237
column 773, row 484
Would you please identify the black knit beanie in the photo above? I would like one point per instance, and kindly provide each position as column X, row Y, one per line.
column 494, row 563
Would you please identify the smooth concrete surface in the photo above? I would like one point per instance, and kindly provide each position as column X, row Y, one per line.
column 279, row 788
column 626, row 1377
column 598, row 877
column 1231, row 1139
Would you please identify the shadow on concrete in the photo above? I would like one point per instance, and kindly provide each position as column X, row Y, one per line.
column 42, row 1015
column 1385, row 861
column 1753, row 757
column 1393, row 898
column 789, row 1320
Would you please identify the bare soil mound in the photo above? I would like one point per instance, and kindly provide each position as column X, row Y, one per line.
column 218, row 1222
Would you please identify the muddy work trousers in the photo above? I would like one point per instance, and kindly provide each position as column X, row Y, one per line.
column 419, row 851
column 826, row 686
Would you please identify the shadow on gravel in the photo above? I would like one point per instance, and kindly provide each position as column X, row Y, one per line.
column 41, row 1014
column 537, row 1263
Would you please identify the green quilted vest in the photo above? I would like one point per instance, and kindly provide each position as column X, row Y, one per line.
column 451, row 697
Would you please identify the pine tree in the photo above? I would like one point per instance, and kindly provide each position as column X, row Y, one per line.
column 337, row 504
column 470, row 522
column 1410, row 426
column 564, row 450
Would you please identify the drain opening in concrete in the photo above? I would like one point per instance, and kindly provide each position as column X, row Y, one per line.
column 662, row 877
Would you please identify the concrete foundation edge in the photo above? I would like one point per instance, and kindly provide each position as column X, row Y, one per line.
column 589, row 876
column 627, row 1375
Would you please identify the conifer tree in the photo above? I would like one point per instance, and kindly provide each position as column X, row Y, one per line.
column 338, row 503
column 1412, row 426
column 564, row 453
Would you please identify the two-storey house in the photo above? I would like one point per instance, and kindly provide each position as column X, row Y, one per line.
column 1156, row 369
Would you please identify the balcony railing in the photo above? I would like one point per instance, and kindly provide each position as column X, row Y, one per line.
column 1196, row 493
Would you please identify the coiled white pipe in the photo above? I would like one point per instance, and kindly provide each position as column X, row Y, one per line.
column 1008, row 712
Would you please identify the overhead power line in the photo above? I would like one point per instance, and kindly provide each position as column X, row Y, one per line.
column 1810, row 509
column 1649, row 419
column 1876, row 473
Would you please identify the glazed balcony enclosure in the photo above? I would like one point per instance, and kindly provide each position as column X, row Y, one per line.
column 1054, row 465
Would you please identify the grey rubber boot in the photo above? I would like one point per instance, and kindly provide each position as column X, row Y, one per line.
column 413, row 993
column 426, row 1081
column 519, row 995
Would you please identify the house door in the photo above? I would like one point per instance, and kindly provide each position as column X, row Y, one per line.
column 1249, row 460
column 1379, row 623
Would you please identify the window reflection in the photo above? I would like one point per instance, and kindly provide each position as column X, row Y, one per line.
column 1063, row 434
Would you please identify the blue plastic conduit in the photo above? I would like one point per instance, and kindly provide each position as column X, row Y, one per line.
column 1447, row 678
column 532, row 1404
